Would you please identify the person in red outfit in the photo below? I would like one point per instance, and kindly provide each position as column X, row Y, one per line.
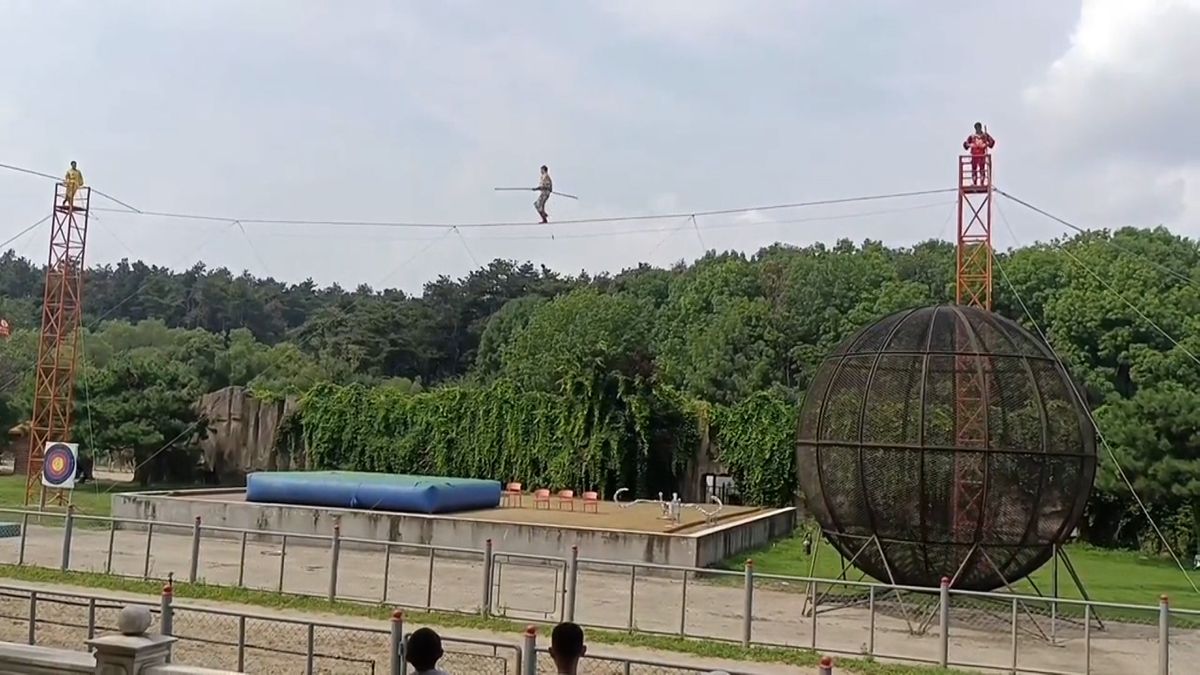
column 979, row 144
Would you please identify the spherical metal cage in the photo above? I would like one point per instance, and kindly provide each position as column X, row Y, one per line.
column 945, row 441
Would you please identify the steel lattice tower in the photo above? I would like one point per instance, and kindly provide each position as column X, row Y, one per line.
column 973, row 282
column 58, row 348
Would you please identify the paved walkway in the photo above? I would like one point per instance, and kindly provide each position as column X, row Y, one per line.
column 613, row 598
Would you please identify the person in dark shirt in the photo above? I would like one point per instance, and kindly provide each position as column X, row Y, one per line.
column 566, row 647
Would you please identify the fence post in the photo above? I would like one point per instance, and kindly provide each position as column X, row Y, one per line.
column 529, row 652
column 24, row 533
column 944, row 622
column 241, row 644
column 1164, row 636
column 485, row 604
column 91, row 618
column 149, row 541
column 166, row 615
column 195, row 563
column 572, row 579
column 335, row 549
column 826, row 666
column 68, row 525
column 397, row 656
column 748, row 603
column 242, row 561
column 871, row 620
column 33, row 602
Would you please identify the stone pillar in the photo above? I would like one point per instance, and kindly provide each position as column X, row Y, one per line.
column 130, row 654
column 134, row 650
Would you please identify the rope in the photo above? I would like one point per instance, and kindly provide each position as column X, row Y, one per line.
column 703, row 246
column 23, row 232
column 474, row 260
column 1129, row 304
column 1110, row 242
column 254, row 250
column 31, row 172
column 1091, row 418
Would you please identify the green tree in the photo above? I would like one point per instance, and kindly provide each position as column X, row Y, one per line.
column 580, row 334
column 142, row 402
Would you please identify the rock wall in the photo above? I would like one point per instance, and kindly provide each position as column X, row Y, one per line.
column 241, row 434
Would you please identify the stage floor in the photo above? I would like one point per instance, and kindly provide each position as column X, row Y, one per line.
column 616, row 533
column 608, row 515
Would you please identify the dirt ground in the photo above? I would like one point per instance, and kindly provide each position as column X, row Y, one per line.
column 978, row 636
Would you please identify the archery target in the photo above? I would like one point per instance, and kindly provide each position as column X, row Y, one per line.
column 58, row 465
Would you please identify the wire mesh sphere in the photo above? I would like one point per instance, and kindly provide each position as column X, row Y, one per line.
column 945, row 441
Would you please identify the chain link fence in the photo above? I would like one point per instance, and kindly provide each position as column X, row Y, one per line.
column 597, row 665
column 838, row 616
column 254, row 643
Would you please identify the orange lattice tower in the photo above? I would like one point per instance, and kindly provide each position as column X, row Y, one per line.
column 59, row 346
column 973, row 280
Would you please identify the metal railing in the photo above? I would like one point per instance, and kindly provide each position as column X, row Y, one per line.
column 242, row 641
column 1001, row 631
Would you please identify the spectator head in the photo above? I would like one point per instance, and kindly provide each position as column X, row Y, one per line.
column 979, row 127
column 72, row 164
column 423, row 649
column 544, row 169
column 566, row 646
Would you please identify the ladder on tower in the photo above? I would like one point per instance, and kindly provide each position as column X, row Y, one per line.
column 973, row 280
column 59, row 344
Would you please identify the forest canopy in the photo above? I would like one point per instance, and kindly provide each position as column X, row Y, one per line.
column 610, row 378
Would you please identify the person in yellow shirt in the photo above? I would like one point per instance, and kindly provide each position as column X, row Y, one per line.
column 73, row 181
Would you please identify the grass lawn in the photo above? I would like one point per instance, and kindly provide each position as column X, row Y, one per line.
column 92, row 499
column 1110, row 576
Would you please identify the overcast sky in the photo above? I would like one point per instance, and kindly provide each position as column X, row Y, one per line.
column 414, row 111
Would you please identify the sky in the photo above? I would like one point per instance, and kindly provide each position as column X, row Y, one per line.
column 414, row 111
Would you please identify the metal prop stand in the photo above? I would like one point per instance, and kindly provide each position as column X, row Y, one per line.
column 1061, row 557
column 812, row 601
column 1051, row 636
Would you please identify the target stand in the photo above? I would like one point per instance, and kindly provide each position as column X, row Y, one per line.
column 59, row 466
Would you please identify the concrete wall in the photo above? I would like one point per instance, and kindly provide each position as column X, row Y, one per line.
column 18, row 659
column 692, row 550
column 724, row 541
column 25, row 659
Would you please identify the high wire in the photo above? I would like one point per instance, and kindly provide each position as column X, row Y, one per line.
column 553, row 236
column 495, row 224
column 576, row 221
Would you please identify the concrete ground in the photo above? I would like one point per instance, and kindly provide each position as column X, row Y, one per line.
column 713, row 609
